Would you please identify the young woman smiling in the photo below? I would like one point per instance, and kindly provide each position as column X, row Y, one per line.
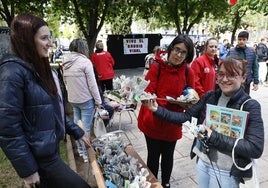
column 215, row 168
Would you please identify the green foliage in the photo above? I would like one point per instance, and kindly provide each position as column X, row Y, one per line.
column 90, row 15
column 8, row 9
column 235, row 16
column 8, row 175
column 186, row 13
column 120, row 16
column 63, row 152
column 54, row 22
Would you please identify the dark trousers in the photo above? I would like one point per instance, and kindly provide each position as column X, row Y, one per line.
column 247, row 88
column 106, row 85
column 57, row 174
column 157, row 148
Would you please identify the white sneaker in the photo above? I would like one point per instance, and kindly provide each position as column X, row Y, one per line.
column 80, row 152
column 85, row 158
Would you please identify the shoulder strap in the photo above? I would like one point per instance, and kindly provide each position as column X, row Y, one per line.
column 186, row 74
column 236, row 141
column 233, row 157
column 242, row 106
column 159, row 68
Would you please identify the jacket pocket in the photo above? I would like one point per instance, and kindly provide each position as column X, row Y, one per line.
column 43, row 143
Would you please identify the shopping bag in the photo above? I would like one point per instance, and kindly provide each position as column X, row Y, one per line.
column 99, row 128
column 252, row 182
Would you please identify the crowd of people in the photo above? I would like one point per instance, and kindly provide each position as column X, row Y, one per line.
column 33, row 119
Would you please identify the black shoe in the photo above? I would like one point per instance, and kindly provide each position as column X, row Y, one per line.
column 167, row 185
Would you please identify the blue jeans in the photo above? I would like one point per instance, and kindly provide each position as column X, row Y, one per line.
column 206, row 176
column 84, row 112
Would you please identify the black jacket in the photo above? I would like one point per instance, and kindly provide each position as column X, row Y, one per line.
column 31, row 124
column 249, row 147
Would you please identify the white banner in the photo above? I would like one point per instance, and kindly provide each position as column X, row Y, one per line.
column 135, row 46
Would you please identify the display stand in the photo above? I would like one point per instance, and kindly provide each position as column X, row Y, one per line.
column 130, row 151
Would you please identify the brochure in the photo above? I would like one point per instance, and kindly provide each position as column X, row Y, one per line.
column 227, row 121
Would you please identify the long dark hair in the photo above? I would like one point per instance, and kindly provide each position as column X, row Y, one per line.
column 22, row 32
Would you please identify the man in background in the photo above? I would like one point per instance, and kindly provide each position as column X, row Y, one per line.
column 149, row 59
column 248, row 54
column 262, row 53
column 224, row 49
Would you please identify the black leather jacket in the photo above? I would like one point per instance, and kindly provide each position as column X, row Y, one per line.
column 31, row 124
column 249, row 147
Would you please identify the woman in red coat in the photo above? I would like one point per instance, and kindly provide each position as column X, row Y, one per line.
column 168, row 76
column 205, row 68
column 104, row 63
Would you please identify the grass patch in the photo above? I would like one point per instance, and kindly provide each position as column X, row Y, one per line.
column 8, row 175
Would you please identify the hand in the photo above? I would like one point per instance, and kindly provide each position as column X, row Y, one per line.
column 150, row 104
column 31, row 180
column 208, row 130
column 98, row 105
column 85, row 140
column 255, row 87
column 205, row 128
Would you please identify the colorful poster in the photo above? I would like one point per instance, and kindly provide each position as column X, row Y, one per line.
column 227, row 121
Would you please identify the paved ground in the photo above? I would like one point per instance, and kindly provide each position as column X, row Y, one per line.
column 183, row 174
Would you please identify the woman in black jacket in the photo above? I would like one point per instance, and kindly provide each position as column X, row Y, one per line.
column 215, row 166
column 32, row 119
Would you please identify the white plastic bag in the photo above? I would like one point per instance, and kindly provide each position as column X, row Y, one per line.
column 99, row 128
column 252, row 182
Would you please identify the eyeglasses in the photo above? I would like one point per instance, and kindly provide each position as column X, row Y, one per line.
column 179, row 51
column 231, row 77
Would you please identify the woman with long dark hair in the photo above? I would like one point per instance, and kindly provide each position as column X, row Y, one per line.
column 32, row 120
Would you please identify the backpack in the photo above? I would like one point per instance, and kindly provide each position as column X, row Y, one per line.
column 149, row 59
column 262, row 52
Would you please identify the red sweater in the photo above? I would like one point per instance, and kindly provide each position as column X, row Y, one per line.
column 205, row 74
column 103, row 63
column 170, row 81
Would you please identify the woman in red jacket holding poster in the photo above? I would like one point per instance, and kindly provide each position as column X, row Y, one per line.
column 104, row 63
